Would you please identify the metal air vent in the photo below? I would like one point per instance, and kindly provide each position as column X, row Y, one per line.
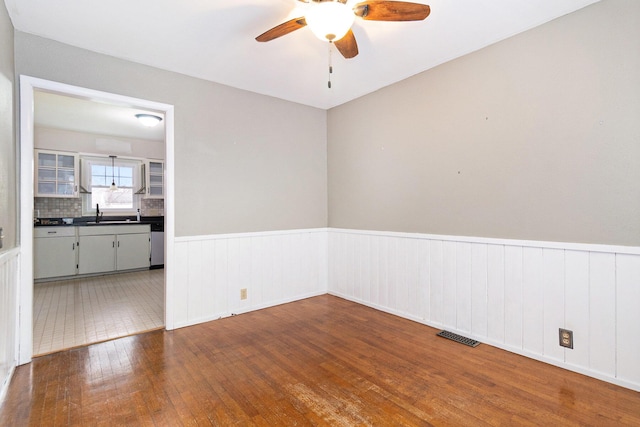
column 458, row 338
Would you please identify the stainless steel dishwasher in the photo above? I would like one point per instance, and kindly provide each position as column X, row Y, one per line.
column 157, row 245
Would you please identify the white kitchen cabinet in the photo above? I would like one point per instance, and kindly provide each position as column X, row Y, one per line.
column 108, row 248
column 154, row 179
column 133, row 251
column 54, row 252
column 56, row 174
column 97, row 253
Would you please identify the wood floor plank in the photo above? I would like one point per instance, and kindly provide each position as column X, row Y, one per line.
column 323, row 361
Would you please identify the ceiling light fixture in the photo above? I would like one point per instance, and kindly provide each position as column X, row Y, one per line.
column 149, row 120
column 330, row 20
column 113, row 187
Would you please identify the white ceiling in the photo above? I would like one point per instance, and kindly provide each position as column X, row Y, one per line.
column 81, row 115
column 215, row 40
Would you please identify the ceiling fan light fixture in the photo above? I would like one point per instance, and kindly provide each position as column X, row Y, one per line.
column 330, row 20
column 148, row 120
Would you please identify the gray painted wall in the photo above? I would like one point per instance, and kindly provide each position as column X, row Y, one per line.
column 8, row 189
column 243, row 162
column 84, row 142
column 536, row 137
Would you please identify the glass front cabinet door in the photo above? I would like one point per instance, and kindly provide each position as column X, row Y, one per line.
column 155, row 179
column 56, row 174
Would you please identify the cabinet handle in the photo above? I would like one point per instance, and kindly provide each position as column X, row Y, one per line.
column 113, row 244
column 73, row 246
column 52, row 232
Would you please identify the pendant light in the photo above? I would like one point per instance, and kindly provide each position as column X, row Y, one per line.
column 113, row 187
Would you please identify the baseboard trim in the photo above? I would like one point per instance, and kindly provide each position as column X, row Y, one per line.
column 223, row 315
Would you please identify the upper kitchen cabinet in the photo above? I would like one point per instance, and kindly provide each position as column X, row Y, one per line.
column 155, row 179
column 56, row 174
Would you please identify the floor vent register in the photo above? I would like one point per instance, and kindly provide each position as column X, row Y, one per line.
column 458, row 338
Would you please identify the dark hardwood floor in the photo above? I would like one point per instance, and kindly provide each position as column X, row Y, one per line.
column 320, row 361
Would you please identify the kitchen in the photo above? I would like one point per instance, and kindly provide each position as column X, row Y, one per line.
column 98, row 222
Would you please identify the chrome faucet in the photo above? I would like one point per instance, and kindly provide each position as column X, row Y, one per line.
column 98, row 214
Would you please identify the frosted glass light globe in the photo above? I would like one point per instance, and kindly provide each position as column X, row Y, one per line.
column 330, row 20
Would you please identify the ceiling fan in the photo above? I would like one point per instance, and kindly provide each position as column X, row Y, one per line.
column 331, row 20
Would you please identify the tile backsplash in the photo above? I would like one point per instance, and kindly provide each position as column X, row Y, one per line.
column 152, row 207
column 52, row 207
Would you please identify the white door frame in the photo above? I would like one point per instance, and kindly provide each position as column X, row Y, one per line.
column 25, row 292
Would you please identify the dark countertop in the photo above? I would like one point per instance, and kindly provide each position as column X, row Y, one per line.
column 91, row 220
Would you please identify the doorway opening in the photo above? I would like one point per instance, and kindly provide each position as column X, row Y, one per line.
column 86, row 294
column 159, row 279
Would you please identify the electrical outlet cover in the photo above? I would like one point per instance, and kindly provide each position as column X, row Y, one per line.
column 566, row 338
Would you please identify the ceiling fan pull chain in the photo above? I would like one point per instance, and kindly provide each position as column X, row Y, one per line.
column 330, row 66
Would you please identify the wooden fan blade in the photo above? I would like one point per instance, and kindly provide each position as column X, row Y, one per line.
column 391, row 11
column 282, row 29
column 347, row 45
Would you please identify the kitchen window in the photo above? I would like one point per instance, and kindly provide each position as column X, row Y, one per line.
column 97, row 175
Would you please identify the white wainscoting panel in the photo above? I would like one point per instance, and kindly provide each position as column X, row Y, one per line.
column 9, row 283
column 532, row 294
column 511, row 294
column 274, row 268
column 602, row 313
column 628, row 317
column 495, row 293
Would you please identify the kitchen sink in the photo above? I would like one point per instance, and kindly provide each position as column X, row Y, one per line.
column 111, row 222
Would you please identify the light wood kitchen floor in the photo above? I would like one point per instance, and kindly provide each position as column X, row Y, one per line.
column 72, row 313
